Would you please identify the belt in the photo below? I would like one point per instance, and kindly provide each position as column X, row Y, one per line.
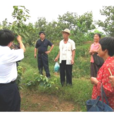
column 41, row 53
column 7, row 83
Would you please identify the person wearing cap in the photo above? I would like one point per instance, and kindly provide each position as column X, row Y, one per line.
column 42, row 57
column 66, row 55
column 9, row 93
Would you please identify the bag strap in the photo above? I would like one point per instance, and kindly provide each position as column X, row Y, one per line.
column 103, row 95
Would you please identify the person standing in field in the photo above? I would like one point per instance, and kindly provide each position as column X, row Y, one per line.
column 66, row 55
column 9, row 93
column 42, row 56
column 94, row 50
column 106, row 51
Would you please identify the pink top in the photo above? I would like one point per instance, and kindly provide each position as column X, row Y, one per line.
column 95, row 47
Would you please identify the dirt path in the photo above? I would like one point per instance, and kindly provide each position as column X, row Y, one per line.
column 40, row 102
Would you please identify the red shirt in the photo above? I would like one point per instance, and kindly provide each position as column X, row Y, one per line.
column 103, row 77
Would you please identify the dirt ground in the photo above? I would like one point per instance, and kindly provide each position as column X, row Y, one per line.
column 44, row 103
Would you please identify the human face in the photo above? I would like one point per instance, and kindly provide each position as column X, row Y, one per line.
column 42, row 36
column 96, row 38
column 102, row 53
column 65, row 35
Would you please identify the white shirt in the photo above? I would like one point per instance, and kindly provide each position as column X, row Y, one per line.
column 66, row 50
column 8, row 59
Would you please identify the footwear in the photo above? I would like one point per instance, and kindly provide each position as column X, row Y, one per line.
column 62, row 84
column 48, row 77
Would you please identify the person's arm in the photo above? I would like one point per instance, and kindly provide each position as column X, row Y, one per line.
column 47, row 52
column 18, row 54
column 94, row 80
column 111, row 78
column 56, row 59
column 73, row 56
column 36, row 49
column 73, row 52
column 51, row 48
column 19, row 39
column 109, row 90
column 90, row 50
column 35, row 52
column 93, row 51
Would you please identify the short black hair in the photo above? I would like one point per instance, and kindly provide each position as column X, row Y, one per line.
column 41, row 33
column 108, row 43
column 98, row 34
column 6, row 36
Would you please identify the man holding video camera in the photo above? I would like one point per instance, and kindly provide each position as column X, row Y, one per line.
column 9, row 93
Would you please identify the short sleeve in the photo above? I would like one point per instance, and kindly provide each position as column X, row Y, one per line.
column 14, row 56
column 73, row 45
column 60, row 45
column 36, row 46
column 49, row 43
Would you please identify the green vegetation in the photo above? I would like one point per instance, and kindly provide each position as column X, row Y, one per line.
column 77, row 94
column 31, row 83
column 108, row 23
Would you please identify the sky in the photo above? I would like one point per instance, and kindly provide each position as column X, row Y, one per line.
column 50, row 9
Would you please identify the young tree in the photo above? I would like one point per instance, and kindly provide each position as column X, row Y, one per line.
column 20, row 15
column 108, row 24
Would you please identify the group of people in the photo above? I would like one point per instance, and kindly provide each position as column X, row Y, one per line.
column 100, row 74
column 66, row 55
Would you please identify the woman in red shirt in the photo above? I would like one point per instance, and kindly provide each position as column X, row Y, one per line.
column 106, row 51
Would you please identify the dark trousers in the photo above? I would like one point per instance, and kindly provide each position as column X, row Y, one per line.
column 43, row 63
column 9, row 97
column 94, row 69
column 65, row 71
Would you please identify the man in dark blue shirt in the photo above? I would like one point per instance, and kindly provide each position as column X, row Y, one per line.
column 42, row 48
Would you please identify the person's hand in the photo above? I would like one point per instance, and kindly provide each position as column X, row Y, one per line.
column 19, row 39
column 56, row 59
column 111, row 80
column 34, row 55
column 72, row 61
column 94, row 80
column 47, row 52
column 91, row 52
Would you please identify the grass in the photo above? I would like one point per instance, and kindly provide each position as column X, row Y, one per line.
column 78, row 93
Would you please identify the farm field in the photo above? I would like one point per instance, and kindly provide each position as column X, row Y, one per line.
column 56, row 97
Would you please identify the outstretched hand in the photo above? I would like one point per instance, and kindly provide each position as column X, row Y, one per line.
column 19, row 39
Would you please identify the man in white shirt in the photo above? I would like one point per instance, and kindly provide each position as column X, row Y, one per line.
column 9, row 93
column 66, row 55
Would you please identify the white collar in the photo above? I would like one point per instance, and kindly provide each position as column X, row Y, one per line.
column 68, row 40
column 5, row 47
